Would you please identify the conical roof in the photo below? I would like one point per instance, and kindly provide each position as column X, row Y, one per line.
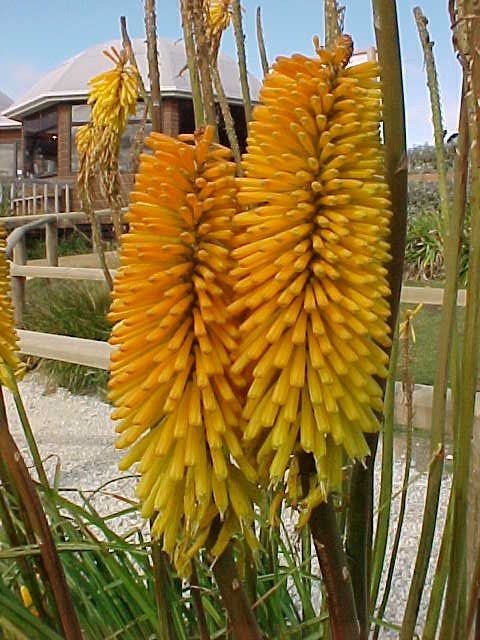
column 69, row 81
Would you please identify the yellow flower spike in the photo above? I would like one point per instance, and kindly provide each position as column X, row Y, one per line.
column 218, row 17
column 310, row 249
column 177, row 403
column 10, row 364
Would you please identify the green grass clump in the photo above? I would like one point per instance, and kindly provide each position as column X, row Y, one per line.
column 70, row 308
column 70, row 243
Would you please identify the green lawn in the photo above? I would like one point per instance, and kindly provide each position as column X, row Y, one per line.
column 424, row 350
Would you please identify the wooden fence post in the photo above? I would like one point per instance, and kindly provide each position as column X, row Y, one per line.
column 18, row 283
column 51, row 243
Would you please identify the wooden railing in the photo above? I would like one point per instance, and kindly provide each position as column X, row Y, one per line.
column 91, row 352
column 30, row 196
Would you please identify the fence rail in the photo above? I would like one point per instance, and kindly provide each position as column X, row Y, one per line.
column 94, row 353
column 32, row 196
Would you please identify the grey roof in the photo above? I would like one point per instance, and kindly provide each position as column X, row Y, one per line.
column 69, row 81
column 6, row 123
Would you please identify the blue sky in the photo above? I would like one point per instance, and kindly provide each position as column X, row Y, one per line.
column 36, row 36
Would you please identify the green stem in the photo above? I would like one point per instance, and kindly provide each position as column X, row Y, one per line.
column 153, row 72
column 32, row 506
column 27, row 430
column 186, row 11
column 407, row 385
column 203, row 64
column 127, row 45
column 261, row 43
column 227, row 117
column 235, row 601
column 451, row 627
column 386, row 483
column 332, row 22
column 198, row 604
column 439, row 579
column 360, row 515
column 344, row 623
column 437, row 431
column 242, row 59
column 438, row 129
column 162, row 579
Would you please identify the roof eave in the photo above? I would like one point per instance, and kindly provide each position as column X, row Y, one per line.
column 20, row 111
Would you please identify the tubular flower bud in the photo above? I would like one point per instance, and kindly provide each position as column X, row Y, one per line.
column 310, row 248
column 9, row 361
column 177, row 402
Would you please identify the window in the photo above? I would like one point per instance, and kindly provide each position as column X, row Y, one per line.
column 81, row 115
column 8, row 159
column 41, row 144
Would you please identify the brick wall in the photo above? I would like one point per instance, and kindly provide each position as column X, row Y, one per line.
column 10, row 135
column 63, row 140
column 170, row 116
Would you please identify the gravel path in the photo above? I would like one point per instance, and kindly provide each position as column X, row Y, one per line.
column 77, row 432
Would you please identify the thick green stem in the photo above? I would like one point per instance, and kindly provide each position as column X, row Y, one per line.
column 234, row 598
column 227, row 117
column 360, row 514
column 160, row 572
column 437, row 432
column 153, row 72
column 385, row 497
column 261, row 43
column 242, row 59
column 407, row 385
column 439, row 579
column 332, row 22
column 202, row 63
column 453, row 625
column 344, row 623
column 186, row 11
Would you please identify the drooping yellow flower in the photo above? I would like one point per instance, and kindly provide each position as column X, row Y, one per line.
column 8, row 338
column 311, row 245
column 177, row 402
column 114, row 93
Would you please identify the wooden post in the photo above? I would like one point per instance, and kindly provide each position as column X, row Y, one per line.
column 45, row 198
column 18, row 283
column 51, row 243
column 23, row 199
column 34, row 194
column 12, row 196
column 57, row 209
column 67, row 198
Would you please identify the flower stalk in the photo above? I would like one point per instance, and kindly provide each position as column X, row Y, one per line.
column 153, row 70
column 360, row 514
column 242, row 58
column 261, row 43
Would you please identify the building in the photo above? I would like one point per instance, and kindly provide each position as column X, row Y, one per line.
column 42, row 124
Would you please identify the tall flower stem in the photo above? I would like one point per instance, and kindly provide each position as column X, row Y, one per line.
column 467, row 31
column 261, row 43
column 437, row 431
column 386, row 483
column 202, row 62
column 153, row 72
column 186, row 11
column 344, row 624
column 242, row 59
column 407, row 385
column 32, row 506
column 227, row 117
column 127, row 45
column 235, row 601
column 360, row 515
column 332, row 22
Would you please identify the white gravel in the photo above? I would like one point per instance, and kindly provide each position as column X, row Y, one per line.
column 77, row 433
